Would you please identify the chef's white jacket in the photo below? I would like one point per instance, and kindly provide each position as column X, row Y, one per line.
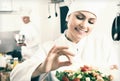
column 32, row 41
column 96, row 51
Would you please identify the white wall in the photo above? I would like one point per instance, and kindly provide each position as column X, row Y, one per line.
column 106, row 17
column 49, row 28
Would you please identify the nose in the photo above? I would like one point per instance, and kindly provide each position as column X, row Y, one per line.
column 84, row 24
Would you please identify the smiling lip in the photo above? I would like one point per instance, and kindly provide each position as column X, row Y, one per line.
column 80, row 30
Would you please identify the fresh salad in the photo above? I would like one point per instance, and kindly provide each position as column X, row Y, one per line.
column 85, row 73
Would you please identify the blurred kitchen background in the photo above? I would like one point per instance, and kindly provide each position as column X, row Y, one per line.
column 48, row 16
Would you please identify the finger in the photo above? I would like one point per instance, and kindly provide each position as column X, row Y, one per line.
column 52, row 49
column 65, row 63
column 66, row 53
column 59, row 48
column 56, row 49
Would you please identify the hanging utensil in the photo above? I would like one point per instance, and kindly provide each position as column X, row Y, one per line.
column 116, row 28
column 49, row 11
column 56, row 14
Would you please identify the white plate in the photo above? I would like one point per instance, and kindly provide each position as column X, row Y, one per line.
column 115, row 73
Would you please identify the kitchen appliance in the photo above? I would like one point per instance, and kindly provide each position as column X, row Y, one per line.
column 8, row 42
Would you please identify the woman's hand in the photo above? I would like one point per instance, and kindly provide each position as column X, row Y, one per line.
column 52, row 61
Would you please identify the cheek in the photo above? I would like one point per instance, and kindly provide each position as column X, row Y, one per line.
column 71, row 25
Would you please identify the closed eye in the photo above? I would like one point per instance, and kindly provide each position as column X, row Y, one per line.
column 80, row 17
column 91, row 21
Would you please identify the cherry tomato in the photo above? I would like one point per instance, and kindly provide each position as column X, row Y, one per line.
column 76, row 79
column 65, row 78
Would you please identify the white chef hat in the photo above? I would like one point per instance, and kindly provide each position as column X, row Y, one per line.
column 93, row 6
column 25, row 12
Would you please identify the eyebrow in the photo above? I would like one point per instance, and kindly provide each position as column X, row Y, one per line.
column 79, row 12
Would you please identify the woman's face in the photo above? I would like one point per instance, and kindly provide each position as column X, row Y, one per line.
column 80, row 24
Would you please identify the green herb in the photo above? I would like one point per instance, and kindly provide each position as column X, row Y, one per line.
column 82, row 74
